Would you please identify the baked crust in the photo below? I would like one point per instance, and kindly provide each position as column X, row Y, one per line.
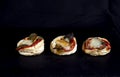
column 62, row 51
column 103, row 49
column 28, row 47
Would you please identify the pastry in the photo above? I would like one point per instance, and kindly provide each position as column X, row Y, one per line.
column 96, row 46
column 31, row 45
column 64, row 45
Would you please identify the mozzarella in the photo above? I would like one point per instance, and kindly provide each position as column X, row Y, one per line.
column 24, row 42
column 95, row 42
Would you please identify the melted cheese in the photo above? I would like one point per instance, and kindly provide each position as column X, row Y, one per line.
column 95, row 43
column 27, row 42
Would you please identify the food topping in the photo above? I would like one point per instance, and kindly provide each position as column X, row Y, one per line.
column 32, row 40
column 32, row 37
column 67, row 43
column 68, row 37
column 106, row 43
column 96, row 43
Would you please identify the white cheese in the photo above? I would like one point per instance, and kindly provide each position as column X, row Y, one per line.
column 95, row 42
column 26, row 42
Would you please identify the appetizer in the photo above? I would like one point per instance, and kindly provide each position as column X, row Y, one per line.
column 64, row 45
column 31, row 45
column 96, row 46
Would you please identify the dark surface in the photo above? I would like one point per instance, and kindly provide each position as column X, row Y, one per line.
column 48, row 64
column 50, row 18
column 52, row 14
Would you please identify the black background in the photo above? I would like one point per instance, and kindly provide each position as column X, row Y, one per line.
column 85, row 18
column 49, row 64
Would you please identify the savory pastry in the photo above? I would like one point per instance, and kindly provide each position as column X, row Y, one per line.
column 32, row 45
column 96, row 46
column 64, row 45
